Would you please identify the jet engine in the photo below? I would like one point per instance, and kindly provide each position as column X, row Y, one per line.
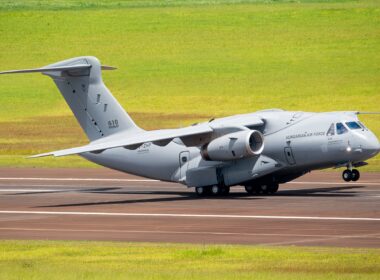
column 233, row 146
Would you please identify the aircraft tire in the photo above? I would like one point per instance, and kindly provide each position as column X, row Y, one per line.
column 216, row 190
column 347, row 175
column 201, row 191
column 250, row 189
column 273, row 188
column 355, row 175
column 263, row 189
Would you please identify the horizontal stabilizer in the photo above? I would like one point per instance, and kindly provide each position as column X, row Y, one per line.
column 55, row 69
column 49, row 69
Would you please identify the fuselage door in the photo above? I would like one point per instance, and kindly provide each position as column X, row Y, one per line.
column 289, row 155
column 184, row 158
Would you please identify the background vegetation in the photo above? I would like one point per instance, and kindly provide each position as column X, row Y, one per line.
column 106, row 260
column 185, row 61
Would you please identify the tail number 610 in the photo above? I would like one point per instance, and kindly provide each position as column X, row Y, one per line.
column 113, row 124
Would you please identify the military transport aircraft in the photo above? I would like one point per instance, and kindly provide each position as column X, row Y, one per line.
column 259, row 150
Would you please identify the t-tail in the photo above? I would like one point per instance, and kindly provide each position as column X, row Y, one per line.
column 80, row 82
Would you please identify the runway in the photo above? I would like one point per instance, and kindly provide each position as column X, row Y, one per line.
column 318, row 209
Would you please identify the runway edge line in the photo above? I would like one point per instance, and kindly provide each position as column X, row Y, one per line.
column 191, row 215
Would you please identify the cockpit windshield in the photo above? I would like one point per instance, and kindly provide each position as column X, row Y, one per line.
column 331, row 130
column 340, row 128
column 353, row 125
column 362, row 125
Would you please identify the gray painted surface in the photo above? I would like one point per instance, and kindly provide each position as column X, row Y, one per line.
column 294, row 142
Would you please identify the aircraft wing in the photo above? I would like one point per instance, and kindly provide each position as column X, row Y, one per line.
column 190, row 136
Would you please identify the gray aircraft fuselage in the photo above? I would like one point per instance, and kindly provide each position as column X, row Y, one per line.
column 297, row 141
column 258, row 150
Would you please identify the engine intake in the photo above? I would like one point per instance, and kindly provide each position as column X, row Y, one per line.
column 233, row 146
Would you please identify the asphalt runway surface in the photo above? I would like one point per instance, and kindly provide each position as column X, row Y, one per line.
column 318, row 209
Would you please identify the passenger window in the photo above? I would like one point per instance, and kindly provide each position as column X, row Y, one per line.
column 353, row 125
column 340, row 128
column 331, row 130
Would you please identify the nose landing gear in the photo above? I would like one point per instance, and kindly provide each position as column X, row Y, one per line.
column 351, row 175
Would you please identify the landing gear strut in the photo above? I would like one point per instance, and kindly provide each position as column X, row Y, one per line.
column 351, row 175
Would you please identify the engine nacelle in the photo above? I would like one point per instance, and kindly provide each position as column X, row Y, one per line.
column 234, row 146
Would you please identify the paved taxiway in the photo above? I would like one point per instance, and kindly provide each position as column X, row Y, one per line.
column 100, row 204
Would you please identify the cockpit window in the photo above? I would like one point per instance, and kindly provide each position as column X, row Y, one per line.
column 331, row 130
column 353, row 125
column 340, row 128
column 362, row 125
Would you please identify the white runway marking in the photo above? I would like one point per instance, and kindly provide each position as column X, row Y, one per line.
column 42, row 191
column 82, row 187
column 150, row 180
column 190, row 232
column 76, row 179
column 336, row 183
column 192, row 215
column 34, row 190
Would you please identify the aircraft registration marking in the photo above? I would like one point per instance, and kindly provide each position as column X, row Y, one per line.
column 306, row 134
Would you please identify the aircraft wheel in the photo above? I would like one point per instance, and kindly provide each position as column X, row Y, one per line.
column 250, row 189
column 216, row 190
column 201, row 191
column 347, row 175
column 355, row 175
column 264, row 189
column 273, row 188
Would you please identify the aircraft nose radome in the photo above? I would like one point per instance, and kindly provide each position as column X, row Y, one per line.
column 372, row 146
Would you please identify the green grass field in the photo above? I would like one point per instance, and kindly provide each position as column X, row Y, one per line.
column 106, row 260
column 185, row 61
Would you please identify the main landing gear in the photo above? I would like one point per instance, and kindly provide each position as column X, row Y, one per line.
column 351, row 175
column 215, row 190
column 264, row 188
column 218, row 190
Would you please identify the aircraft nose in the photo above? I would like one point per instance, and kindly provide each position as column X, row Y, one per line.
column 372, row 146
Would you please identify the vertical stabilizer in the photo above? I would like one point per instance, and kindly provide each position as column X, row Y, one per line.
column 96, row 110
column 80, row 82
